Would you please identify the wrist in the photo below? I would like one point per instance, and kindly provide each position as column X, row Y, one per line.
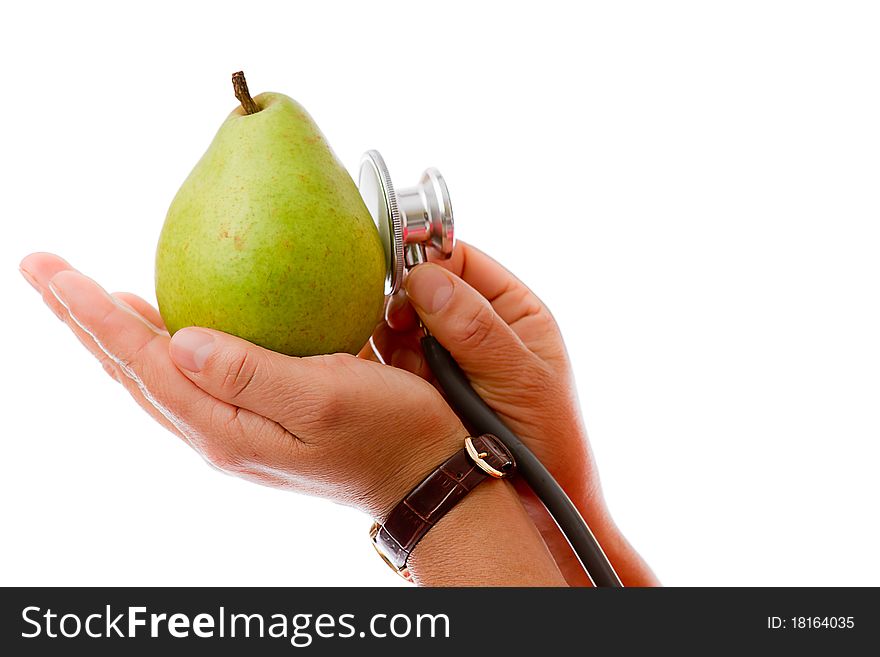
column 468, row 527
column 486, row 540
column 429, row 448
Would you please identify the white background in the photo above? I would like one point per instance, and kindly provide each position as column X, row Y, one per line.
column 692, row 187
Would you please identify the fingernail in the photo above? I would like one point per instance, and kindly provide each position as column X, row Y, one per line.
column 29, row 277
column 191, row 347
column 406, row 359
column 429, row 287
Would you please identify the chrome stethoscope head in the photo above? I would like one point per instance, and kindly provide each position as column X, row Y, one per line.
column 409, row 220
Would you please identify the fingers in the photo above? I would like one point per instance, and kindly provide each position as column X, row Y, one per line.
column 232, row 439
column 39, row 269
column 119, row 331
column 143, row 307
column 283, row 388
column 396, row 340
column 510, row 297
column 310, row 397
column 514, row 302
column 123, row 340
column 401, row 349
column 465, row 323
column 399, row 313
column 226, row 436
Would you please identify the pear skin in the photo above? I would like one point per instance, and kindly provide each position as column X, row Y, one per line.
column 269, row 239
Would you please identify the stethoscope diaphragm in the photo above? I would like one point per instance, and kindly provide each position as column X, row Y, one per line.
column 408, row 220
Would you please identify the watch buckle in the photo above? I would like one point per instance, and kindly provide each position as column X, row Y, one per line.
column 479, row 459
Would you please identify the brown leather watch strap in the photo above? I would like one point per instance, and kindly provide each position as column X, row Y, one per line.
column 482, row 457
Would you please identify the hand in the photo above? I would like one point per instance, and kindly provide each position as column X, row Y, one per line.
column 336, row 426
column 508, row 344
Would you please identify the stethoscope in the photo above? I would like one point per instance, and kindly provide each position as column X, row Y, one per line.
column 409, row 220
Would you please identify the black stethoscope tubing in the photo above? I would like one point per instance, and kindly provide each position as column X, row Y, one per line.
column 471, row 408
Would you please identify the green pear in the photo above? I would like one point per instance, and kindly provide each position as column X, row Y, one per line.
column 268, row 238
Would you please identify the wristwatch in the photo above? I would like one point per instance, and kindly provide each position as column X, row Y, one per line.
column 482, row 457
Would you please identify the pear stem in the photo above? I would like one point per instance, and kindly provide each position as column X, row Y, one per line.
column 239, row 84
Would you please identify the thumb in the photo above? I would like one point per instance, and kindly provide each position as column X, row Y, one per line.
column 464, row 322
column 239, row 372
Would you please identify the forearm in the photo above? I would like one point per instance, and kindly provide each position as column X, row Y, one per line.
column 488, row 539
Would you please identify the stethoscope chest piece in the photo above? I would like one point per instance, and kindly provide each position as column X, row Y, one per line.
column 409, row 220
